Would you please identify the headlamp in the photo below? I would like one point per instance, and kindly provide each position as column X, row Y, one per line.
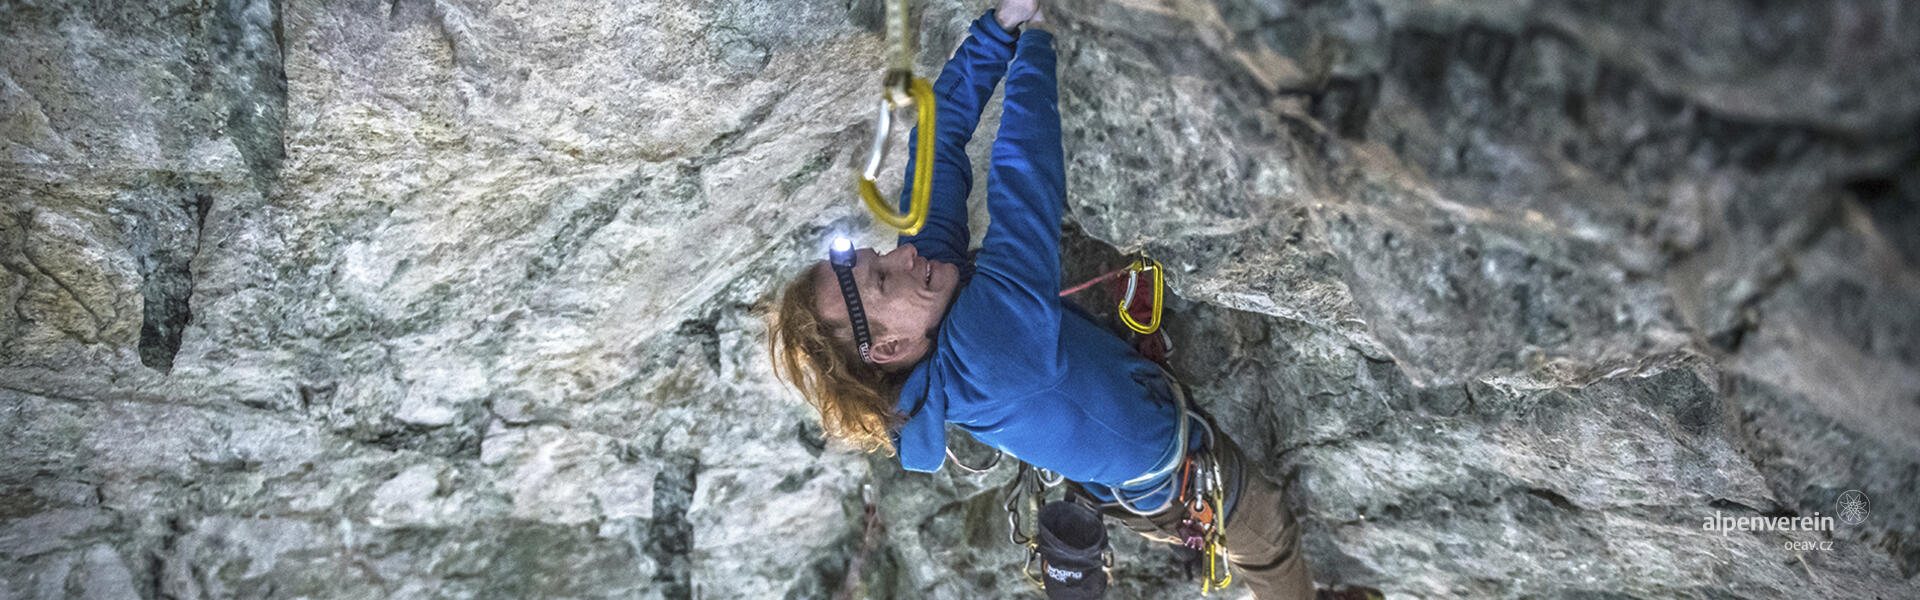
column 841, row 257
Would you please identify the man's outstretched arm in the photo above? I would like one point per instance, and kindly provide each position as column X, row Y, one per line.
column 1026, row 189
column 961, row 93
column 1017, row 274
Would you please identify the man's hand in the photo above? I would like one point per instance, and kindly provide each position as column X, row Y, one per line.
column 1014, row 13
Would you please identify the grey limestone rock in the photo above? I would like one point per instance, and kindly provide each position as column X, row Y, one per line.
column 461, row 299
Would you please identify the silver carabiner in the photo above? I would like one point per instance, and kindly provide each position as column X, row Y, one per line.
column 881, row 128
column 1013, row 530
column 1048, row 479
column 1025, row 482
column 1133, row 281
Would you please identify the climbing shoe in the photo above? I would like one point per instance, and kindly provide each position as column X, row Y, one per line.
column 1072, row 544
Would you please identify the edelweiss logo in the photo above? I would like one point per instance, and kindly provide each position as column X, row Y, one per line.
column 1853, row 507
column 1062, row 575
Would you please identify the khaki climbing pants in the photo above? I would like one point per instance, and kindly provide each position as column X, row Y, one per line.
column 1263, row 541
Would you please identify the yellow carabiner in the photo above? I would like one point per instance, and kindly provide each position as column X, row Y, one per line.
column 920, row 93
column 1133, row 279
column 1033, row 575
column 902, row 89
column 1217, row 544
column 1219, row 572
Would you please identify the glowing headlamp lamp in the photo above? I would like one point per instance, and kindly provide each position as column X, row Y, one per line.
column 840, row 257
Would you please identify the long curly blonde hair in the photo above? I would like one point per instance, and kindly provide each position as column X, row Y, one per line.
column 855, row 398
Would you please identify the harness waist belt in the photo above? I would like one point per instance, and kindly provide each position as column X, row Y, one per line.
column 1178, row 452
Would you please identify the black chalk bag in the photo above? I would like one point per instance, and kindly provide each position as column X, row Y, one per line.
column 1072, row 544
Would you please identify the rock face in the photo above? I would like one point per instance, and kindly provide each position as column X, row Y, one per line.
column 463, row 299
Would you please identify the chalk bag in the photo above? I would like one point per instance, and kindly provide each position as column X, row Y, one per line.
column 1072, row 543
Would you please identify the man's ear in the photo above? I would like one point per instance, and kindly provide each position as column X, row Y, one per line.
column 884, row 352
column 899, row 353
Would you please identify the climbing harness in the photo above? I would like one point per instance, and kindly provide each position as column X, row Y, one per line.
column 1178, row 455
column 997, row 455
column 901, row 90
column 1199, row 490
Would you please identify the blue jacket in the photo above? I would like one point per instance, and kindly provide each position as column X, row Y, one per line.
column 1011, row 365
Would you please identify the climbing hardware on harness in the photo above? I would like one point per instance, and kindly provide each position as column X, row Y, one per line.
column 1219, row 574
column 1029, row 487
column 1202, row 495
column 1029, row 484
column 901, row 90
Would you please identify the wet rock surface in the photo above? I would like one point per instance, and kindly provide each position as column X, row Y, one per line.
column 463, row 299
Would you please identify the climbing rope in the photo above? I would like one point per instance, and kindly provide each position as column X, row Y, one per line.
column 874, row 528
column 900, row 89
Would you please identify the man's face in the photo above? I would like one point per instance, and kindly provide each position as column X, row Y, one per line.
column 904, row 296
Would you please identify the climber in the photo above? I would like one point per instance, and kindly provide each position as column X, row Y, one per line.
column 892, row 347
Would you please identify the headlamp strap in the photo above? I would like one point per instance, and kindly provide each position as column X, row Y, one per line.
column 843, row 271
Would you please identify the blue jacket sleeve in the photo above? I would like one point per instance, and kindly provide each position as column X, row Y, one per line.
column 962, row 91
column 1016, row 282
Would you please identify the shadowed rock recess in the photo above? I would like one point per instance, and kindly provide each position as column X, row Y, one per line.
column 463, row 299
